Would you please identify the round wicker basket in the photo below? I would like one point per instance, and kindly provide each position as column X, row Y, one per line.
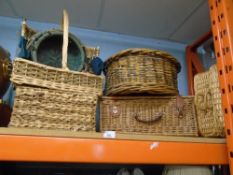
column 139, row 71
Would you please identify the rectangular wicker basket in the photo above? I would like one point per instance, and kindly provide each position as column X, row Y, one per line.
column 208, row 103
column 35, row 74
column 53, row 109
column 156, row 115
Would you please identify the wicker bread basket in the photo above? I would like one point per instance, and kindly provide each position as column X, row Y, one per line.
column 54, row 98
column 154, row 115
column 135, row 71
column 208, row 103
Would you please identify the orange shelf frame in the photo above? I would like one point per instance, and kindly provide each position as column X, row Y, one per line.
column 58, row 149
column 194, row 64
column 221, row 13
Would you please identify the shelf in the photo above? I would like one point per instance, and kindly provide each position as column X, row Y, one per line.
column 60, row 146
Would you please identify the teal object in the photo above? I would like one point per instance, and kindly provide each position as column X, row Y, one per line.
column 97, row 65
column 46, row 48
column 23, row 52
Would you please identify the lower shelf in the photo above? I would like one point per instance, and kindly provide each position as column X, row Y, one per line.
column 85, row 147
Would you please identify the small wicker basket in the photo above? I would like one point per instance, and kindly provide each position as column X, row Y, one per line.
column 136, row 71
column 154, row 115
column 54, row 98
column 208, row 103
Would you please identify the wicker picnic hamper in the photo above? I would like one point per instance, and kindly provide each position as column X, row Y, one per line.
column 208, row 103
column 156, row 115
column 54, row 98
column 135, row 71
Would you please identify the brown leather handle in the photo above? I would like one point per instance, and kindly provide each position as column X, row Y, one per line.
column 179, row 106
column 152, row 119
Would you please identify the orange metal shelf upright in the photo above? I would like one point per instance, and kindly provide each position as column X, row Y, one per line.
column 221, row 13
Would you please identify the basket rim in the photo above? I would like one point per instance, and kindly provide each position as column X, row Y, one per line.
column 142, row 97
column 39, row 38
column 17, row 59
column 142, row 51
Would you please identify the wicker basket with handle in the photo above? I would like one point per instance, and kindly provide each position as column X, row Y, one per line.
column 208, row 103
column 138, row 71
column 157, row 115
column 54, row 98
column 35, row 74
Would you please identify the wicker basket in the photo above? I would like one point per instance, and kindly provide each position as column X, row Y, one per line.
column 186, row 170
column 208, row 103
column 53, row 109
column 35, row 74
column 152, row 115
column 54, row 98
column 135, row 71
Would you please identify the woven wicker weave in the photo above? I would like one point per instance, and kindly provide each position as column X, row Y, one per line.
column 53, row 109
column 152, row 115
column 136, row 71
column 208, row 103
column 35, row 74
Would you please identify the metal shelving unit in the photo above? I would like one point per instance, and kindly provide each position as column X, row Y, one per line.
column 93, row 148
column 221, row 13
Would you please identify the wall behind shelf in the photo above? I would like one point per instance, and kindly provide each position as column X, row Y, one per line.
column 109, row 43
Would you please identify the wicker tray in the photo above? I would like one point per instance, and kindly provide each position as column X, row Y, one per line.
column 208, row 103
column 135, row 71
column 152, row 115
column 53, row 109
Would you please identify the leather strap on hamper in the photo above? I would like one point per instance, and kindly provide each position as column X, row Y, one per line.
column 152, row 119
column 179, row 106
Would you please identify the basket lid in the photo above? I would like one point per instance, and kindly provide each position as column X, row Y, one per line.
column 142, row 51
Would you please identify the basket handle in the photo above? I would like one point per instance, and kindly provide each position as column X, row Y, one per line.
column 153, row 119
column 65, row 29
